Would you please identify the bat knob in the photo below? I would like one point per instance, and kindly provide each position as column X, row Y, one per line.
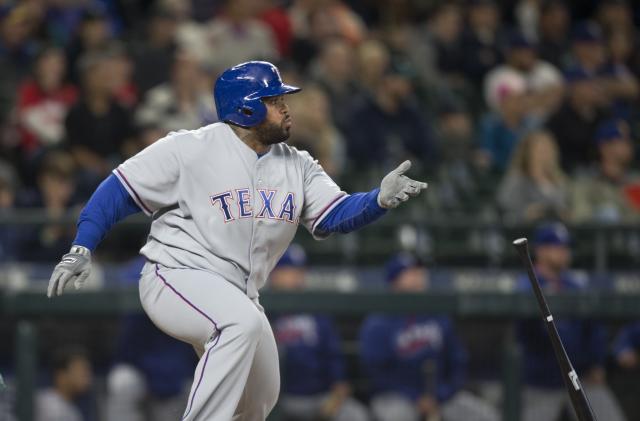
column 520, row 242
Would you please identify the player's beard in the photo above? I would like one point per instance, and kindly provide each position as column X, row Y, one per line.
column 269, row 133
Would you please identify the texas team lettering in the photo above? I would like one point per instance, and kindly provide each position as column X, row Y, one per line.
column 237, row 204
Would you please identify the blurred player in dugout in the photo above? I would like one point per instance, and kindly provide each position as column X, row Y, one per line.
column 314, row 385
column 585, row 341
column 416, row 364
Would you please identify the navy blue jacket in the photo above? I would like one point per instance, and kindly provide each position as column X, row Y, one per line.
column 413, row 356
column 310, row 354
column 584, row 340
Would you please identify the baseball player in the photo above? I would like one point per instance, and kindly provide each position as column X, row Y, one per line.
column 417, row 364
column 585, row 340
column 225, row 202
column 314, row 379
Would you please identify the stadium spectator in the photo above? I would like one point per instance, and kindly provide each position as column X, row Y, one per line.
column 623, row 51
column 152, row 371
column 387, row 126
column 524, row 84
column 314, row 130
column 520, row 94
column 535, row 187
column 574, row 124
column 609, row 193
column 93, row 36
column 97, row 126
column 553, row 32
column 416, row 364
column 43, row 102
column 277, row 18
column 617, row 85
column 124, row 88
column 373, row 63
column 55, row 194
column 461, row 168
column 17, row 51
column 154, row 53
column 183, row 103
column 319, row 21
column 334, row 71
column 236, row 35
column 615, row 15
column 71, row 378
column 314, row 383
column 585, row 341
column 442, row 35
column 481, row 41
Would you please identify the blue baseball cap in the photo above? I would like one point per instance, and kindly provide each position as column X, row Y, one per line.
column 398, row 264
column 608, row 131
column 586, row 32
column 551, row 234
column 294, row 257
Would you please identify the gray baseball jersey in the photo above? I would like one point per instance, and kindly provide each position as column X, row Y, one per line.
column 217, row 206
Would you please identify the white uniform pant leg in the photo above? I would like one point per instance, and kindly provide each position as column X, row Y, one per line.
column 206, row 311
column 263, row 385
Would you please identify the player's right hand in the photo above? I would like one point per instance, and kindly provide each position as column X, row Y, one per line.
column 75, row 266
column 396, row 188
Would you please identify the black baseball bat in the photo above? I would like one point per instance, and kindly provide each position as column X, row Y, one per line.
column 579, row 400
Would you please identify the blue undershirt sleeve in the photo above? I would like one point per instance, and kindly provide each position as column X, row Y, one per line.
column 354, row 212
column 109, row 204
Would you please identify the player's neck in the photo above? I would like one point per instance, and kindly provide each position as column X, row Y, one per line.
column 249, row 138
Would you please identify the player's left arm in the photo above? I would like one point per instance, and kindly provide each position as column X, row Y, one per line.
column 336, row 211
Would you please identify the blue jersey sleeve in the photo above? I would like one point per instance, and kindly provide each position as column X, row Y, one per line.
column 376, row 352
column 354, row 212
column 109, row 204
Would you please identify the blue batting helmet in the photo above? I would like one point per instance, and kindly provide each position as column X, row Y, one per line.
column 238, row 92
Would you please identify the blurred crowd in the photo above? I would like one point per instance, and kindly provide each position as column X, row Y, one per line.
column 527, row 109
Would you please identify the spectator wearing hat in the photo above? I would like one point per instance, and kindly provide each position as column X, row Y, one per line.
column 574, row 124
column 544, row 395
column 416, row 364
column 520, row 94
column 609, row 192
column 314, row 383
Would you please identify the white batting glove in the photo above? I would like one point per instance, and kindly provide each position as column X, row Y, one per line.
column 75, row 266
column 396, row 188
